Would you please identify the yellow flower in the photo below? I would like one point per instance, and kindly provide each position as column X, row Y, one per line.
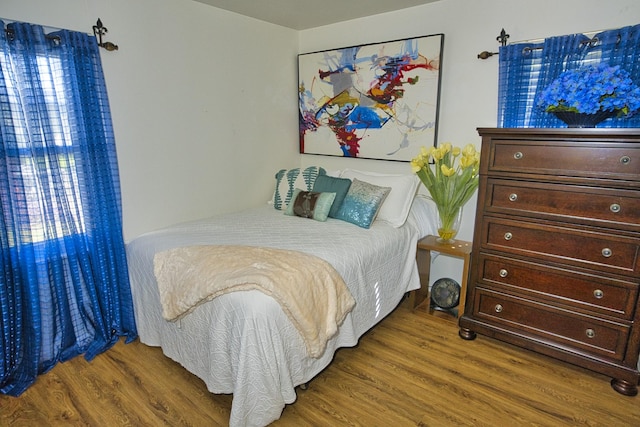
column 438, row 154
column 416, row 164
column 446, row 170
column 469, row 150
column 466, row 161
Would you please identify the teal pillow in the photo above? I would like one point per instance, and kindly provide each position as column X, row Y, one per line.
column 288, row 180
column 330, row 184
column 309, row 204
column 362, row 203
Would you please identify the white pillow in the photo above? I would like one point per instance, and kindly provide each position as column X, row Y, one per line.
column 396, row 206
column 425, row 215
column 334, row 172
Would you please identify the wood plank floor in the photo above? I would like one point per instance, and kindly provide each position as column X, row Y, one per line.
column 411, row 370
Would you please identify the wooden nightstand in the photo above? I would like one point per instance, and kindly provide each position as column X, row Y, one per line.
column 458, row 248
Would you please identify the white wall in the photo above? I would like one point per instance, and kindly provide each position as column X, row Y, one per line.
column 203, row 102
column 469, row 85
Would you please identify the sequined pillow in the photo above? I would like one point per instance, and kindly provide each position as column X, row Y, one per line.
column 362, row 203
column 396, row 206
column 309, row 204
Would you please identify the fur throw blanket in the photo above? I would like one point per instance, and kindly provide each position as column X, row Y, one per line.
column 309, row 289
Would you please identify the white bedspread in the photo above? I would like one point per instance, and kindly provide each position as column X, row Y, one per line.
column 242, row 342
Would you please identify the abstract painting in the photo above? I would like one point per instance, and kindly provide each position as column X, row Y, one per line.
column 374, row 101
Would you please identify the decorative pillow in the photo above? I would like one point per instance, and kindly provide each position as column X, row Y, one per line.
column 340, row 186
column 288, row 180
column 396, row 206
column 362, row 203
column 309, row 204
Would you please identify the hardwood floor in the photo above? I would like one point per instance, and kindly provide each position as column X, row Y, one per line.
column 411, row 370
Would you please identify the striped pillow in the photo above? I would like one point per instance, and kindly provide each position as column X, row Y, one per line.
column 288, row 180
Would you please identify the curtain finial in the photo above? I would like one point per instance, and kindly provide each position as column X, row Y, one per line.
column 99, row 30
column 502, row 39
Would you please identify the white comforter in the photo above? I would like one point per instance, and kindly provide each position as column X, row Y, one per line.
column 243, row 342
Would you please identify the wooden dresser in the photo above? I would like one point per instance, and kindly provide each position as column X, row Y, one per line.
column 556, row 251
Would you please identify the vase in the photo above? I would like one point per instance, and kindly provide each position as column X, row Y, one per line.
column 449, row 221
column 582, row 120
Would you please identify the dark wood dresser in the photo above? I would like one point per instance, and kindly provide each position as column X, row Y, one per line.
column 556, row 251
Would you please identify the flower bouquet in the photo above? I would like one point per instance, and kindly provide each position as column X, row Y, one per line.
column 451, row 183
column 596, row 92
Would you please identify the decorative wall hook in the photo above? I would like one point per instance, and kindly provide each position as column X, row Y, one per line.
column 502, row 38
column 99, row 30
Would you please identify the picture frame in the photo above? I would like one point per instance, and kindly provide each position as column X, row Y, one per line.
column 373, row 101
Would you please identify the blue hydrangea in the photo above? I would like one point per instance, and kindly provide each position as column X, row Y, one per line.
column 591, row 89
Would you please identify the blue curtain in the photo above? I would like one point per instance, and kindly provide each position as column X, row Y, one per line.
column 64, row 287
column 526, row 69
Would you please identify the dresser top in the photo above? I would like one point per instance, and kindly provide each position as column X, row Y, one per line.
column 596, row 133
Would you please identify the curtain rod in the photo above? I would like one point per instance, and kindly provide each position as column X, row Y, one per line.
column 48, row 28
column 503, row 36
column 9, row 32
column 589, row 34
column 98, row 31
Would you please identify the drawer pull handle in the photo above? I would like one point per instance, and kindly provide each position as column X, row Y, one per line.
column 513, row 197
column 503, row 273
column 518, row 155
column 498, row 308
column 598, row 293
column 606, row 252
column 625, row 160
column 508, row 236
column 590, row 333
column 615, row 208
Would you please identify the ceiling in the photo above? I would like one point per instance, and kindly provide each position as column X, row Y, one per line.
column 305, row 14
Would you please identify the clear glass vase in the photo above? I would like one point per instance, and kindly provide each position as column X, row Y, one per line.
column 449, row 221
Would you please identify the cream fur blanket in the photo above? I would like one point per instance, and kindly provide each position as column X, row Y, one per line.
column 309, row 289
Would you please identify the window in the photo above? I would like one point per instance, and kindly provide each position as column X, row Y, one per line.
column 44, row 162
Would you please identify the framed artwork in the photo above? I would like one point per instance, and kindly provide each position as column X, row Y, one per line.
column 374, row 101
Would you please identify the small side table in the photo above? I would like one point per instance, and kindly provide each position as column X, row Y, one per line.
column 458, row 248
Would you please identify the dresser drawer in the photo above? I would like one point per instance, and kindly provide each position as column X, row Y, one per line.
column 599, row 206
column 589, row 249
column 587, row 292
column 601, row 160
column 556, row 326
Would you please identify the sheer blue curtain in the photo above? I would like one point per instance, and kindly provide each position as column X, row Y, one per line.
column 526, row 69
column 64, row 287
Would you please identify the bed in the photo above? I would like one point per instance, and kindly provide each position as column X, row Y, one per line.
column 243, row 342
